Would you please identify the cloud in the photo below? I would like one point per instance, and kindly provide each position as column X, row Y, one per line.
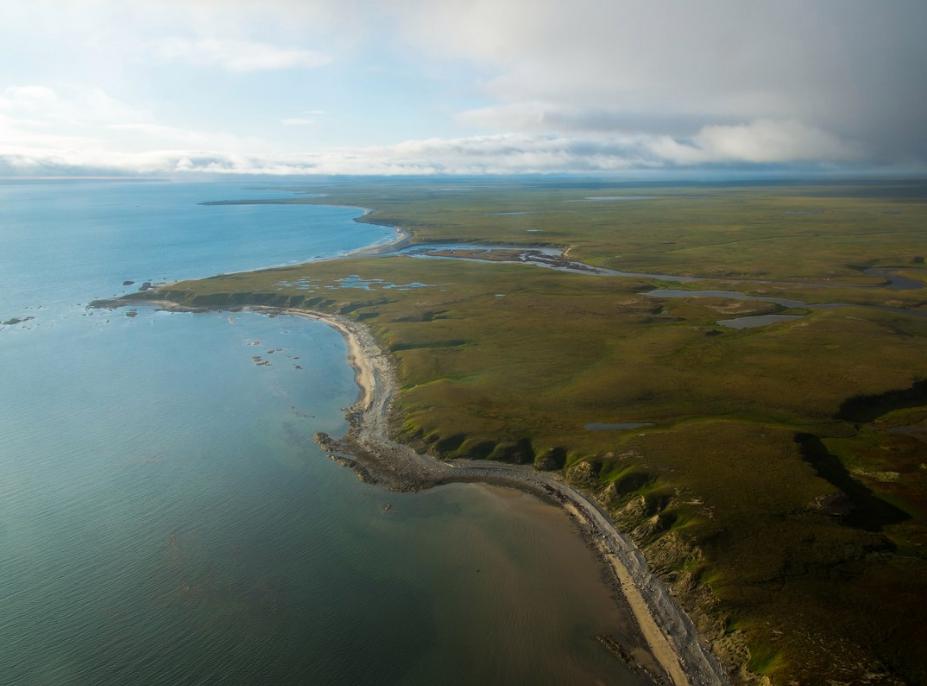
column 35, row 118
column 763, row 142
column 851, row 67
column 550, row 86
column 43, row 107
column 66, row 129
column 298, row 121
column 547, row 117
column 237, row 55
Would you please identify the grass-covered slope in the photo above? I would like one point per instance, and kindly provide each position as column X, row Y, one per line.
column 780, row 481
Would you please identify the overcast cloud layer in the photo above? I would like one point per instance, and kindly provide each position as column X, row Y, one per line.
column 508, row 86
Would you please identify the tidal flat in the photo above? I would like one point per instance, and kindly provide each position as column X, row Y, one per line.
column 789, row 521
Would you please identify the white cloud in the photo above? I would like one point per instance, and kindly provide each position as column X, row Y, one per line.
column 763, row 141
column 238, row 55
column 43, row 107
column 767, row 141
column 304, row 118
column 298, row 121
column 41, row 126
column 34, row 118
column 760, row 142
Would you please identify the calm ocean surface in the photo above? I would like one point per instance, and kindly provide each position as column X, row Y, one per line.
column 165, row 517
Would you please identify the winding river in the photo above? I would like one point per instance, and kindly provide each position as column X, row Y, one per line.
column 554, row 258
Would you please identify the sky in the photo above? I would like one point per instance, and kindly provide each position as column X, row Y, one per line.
column 624, row 87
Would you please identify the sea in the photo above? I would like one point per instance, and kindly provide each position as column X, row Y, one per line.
column 165, row 516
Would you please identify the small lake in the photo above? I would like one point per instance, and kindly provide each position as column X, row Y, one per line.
column 756, row 321
column 544, row 256
column 723, row 295
column 615, row 198
column 615, row 426
column 895, row 282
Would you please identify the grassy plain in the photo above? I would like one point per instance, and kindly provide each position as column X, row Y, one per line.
column 781, row 484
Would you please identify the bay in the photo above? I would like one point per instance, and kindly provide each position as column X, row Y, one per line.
column 164, row 514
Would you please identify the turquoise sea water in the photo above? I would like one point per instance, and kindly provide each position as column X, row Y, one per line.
column 164, row 515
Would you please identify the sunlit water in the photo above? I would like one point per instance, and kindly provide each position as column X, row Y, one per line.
column 165, row 516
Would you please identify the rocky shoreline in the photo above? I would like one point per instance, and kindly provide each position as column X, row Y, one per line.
column 368, row 449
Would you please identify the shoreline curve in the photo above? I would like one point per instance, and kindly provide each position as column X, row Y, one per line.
column 368, row 449
column 370, row 452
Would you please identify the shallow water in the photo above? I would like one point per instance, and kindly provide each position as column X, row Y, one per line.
column 615, row 198
column 355, row 281
column 165, row 516
column 756, row 321
column 423, row 249
column 538, row 255
column 895, row 282
column 615, row 426
column 726, row 295
column 760, row 320
column 550, row 257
